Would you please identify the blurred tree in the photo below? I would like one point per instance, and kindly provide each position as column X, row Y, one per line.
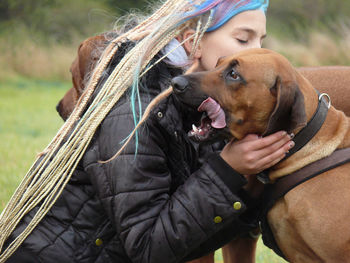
column 62, row 20
column 297, row 17
column 24, row 10
column 123, row 6
column 53, row 20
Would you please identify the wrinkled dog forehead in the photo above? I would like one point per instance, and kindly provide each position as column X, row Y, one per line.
column 263, row 65
column 254, row 68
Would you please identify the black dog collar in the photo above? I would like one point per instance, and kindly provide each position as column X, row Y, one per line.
column 313, row 126
column 307, row 133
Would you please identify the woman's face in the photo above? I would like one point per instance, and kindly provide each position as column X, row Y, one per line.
column 243, row 31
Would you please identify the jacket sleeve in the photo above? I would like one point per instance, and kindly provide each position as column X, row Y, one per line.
column 154, row 225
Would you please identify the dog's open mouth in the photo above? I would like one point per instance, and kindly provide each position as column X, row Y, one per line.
column 202, row 132
column 213, row 119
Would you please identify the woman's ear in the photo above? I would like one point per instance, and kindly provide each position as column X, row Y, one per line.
column 188, row 45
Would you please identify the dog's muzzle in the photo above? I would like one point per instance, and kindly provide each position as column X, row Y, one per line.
column 212, row 125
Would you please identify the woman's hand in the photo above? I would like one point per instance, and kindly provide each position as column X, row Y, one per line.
column 253, row 154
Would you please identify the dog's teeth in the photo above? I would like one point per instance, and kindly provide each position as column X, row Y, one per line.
column 194, row 128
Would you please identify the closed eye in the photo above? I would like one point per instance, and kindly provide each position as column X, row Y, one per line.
column 242, row 41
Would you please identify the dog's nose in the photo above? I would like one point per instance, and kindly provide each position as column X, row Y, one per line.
column 58, row 107
column 179, row 84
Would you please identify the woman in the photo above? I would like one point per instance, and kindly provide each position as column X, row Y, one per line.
column 163, row 197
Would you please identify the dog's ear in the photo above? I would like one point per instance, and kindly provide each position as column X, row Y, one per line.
column 289, row 113
column 88, row 54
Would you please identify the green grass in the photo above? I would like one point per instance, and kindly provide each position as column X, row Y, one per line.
column 28, row 122
column 263, row 255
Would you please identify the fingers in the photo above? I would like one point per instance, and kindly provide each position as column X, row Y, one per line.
column 272, row 139
column 270, row 150
column 275, row 157
column 283, row 145
column 253, row 154
column 250, row 137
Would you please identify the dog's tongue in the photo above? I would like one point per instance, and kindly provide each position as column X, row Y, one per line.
column 215, row 113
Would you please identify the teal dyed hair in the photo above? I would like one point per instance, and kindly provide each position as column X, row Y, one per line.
column 135, row 97
column 224, row 10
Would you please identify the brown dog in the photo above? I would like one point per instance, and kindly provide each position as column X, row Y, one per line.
column 257, row 87
column 333, row 80
column 89, row 53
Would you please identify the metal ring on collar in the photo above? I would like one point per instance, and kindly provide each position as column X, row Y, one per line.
column 328, row 97
column 254, row 235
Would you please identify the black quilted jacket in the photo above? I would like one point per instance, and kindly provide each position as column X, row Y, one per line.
column 172, row 201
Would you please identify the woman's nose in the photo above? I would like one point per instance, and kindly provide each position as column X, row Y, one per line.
column 255, row 44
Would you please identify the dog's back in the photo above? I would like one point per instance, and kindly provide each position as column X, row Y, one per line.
column 333, row 80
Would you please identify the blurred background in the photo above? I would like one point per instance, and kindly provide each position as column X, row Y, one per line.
column 39, row 38
column 39, row 41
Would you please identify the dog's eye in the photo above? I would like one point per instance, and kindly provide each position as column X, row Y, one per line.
column 233, row 74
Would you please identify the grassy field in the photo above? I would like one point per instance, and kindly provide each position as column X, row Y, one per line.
column 28, row 122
